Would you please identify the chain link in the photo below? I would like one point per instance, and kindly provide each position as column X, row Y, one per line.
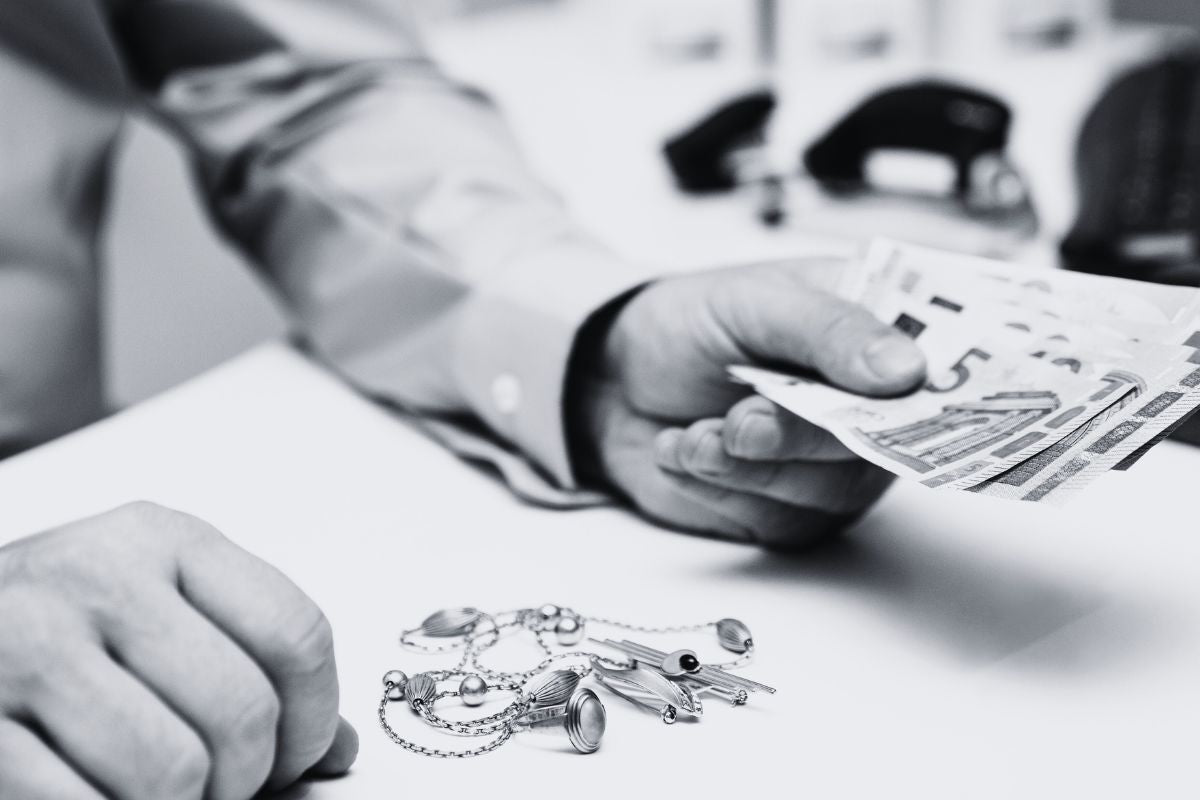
column 484, row 725
column 628, row 626
column 433, row 752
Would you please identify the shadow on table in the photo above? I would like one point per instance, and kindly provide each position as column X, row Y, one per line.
column 978, row 609
column 296, row 792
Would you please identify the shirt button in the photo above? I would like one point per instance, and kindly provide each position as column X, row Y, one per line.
column 506, row 393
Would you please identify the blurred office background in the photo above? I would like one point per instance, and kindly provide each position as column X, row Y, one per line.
column 179, row 302
column 1186, row 12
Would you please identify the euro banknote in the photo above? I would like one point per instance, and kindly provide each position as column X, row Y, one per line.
column 1039, row 380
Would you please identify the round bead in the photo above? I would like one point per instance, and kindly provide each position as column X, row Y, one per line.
column 473, row 690
column 689, row 663
column 395, row 681
column 568, row 631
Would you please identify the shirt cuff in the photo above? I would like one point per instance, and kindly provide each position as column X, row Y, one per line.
column 517, row 336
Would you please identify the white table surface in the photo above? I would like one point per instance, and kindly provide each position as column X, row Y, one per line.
column 951, row 646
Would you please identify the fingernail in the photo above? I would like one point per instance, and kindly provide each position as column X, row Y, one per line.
column 893, row 357
column 757, row 436
column 708, row 456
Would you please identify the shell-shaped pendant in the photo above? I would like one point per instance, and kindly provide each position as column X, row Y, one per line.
column 450, row 622
column 733, row 635
column 556, row 689
column 420, row 689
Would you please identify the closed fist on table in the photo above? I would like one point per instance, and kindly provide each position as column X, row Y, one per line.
column 144, row 655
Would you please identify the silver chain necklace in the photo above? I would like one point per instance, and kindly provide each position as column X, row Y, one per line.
column 549, row 699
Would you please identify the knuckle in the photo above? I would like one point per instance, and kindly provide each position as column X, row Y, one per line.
column 699, row 433
column 701, row 427
column 666, row 447
column 244, row 743
column 254, row 722
column 28, row 681
column 312, row 642
column 708, row 460
column 85, row 572
column 142, row 509
column 753, row 432
column 181, row 770
column 37, row 641
column 54, row 558
column 689, row 443
column 188, row 531
column 136, row 518
column 162, row 523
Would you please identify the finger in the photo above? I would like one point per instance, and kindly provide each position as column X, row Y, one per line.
column 341, row 755
column 32, row 771
column 656, row 495
column 839, row 487
column 116, row 732
column 209, row 681
column 663, row 498
column 667, row 443
column 771, row 522
column 767, row 522
column 283, row 631
column 775, row 315
column 759, row 430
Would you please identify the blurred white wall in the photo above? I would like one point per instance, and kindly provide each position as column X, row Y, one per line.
column 178, row 301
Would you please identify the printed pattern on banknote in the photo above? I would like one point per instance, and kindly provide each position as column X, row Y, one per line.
column 1009, row 409
column 1039, row 380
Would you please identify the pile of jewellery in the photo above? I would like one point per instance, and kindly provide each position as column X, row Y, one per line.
column 549, row 695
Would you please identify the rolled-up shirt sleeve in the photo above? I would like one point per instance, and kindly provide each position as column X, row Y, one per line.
column 388, row 204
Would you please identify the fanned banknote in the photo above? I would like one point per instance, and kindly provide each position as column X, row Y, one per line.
column 1135, row 309
column 1039, row 380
